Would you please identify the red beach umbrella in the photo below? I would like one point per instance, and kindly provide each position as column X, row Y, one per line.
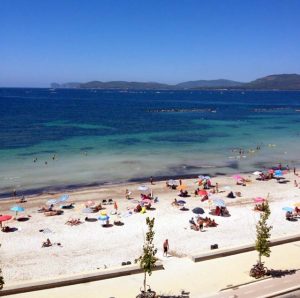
column 202, row 192
column 4, row 218
column 259, row 200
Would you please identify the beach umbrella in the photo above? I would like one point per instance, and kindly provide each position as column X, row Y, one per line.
column 181, row 202
column 17, row 209
column 89, row 203
column 87, row 210
column 226, row 187
column 259, row 200
column 198, row 210
column 207, row 177
column 51, row 202
column 288, row 209
column 257, row 173
column 146, row 201
column 172, row 182
column 297, row 204
column 181, row 187
column 143, row 188
column 219, row 202
column 103, row 217
column 4, row 218
column 237, row 177
column 202, row 192
column 63, row 198
column 278, row 173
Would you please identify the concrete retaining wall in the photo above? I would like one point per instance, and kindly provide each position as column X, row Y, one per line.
column 76, row 279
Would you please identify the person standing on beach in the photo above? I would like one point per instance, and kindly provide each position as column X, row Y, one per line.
column 166, row 247
column 151, row 180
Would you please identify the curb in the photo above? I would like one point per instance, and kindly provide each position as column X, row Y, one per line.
column 282, row 292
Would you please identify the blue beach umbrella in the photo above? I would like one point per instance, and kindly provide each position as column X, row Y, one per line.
column 198, row 210
column 278, row 173
column 289, row 209
column 181, row 202
column 103, row 217
column 51, row 202
column 17, row 209
column 63, row 198
column 219, row 202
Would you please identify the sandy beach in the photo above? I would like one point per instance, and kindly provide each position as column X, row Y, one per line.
column 90, row 247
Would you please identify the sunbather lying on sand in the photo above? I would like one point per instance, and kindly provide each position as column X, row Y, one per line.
column 53, row 212
column 97, row 208
column 74, row 222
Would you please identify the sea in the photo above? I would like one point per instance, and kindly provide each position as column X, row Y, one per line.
column 60, row 139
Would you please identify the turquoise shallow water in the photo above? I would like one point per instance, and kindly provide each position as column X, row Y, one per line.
column 108, row 136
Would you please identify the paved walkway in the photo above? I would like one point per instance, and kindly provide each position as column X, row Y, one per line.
column 200, row 279
column 264, row 288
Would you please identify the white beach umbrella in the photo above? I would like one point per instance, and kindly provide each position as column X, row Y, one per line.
column 226, row 187
column 257, row 173
column 143, row 188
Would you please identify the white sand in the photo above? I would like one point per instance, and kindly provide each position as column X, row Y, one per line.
column 90, row 246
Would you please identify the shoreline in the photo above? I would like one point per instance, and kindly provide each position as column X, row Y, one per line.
column 53, row 190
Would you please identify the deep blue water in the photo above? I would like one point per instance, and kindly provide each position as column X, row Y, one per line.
column 115, row 125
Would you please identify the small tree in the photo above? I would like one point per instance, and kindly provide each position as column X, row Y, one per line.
column 147, row 260
column 262, row 243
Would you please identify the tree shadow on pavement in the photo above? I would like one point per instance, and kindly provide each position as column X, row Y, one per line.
column 280, row 273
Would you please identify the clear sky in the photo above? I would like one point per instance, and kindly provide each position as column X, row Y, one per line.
column 44, row 41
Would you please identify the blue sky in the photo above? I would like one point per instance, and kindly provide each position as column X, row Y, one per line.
column 171, row 41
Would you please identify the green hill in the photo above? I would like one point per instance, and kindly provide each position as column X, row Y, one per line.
column 280, row 82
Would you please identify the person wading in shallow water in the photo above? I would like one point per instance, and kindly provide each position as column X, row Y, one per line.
column 166, row 247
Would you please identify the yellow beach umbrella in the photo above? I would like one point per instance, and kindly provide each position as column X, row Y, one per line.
column 182, row 187
column 297, row 204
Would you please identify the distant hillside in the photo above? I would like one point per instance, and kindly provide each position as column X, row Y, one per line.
column 281, row 82
column 221, row 83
